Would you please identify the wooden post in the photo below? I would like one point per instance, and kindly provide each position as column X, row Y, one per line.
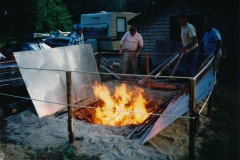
column 192, row 107
column 147, row 70
column 69, row 101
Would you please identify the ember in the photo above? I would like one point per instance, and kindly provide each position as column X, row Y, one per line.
column 122, row 108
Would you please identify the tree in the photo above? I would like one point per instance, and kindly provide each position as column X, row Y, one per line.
column 37, row 16
column 78, row 7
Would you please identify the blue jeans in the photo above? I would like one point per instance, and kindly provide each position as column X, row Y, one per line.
column 191, row 61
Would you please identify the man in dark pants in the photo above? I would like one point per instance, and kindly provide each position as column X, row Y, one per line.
column 133, row 46
column 190, row 45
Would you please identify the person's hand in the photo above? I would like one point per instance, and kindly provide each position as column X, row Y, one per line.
column 137, row 54
column 120, row 51
column 182, row 50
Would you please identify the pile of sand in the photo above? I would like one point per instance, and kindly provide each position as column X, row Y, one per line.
column 27, row 129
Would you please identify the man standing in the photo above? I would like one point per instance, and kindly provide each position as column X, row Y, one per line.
column 212, row 42
column 190, row 44
column 77, row 37
column 133, row 46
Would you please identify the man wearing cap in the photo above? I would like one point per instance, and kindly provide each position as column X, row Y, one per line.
column 77, row 37
column 133, row 46
column 190, row 44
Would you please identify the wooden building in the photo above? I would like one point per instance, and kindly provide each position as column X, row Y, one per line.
column 159, row 22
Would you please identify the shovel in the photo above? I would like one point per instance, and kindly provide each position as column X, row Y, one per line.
column 177, row 64
column 167, row 65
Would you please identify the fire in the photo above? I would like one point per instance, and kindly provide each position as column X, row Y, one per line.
column 122, row 108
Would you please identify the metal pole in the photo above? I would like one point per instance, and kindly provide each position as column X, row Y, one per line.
column 192, row 107
column 147, row 70
column 210, row 103
column 98, row 61
column 69, row 101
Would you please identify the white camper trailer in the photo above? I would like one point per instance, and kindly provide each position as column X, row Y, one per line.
column 105, row 29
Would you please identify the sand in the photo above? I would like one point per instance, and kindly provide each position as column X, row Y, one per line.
column 27, row 130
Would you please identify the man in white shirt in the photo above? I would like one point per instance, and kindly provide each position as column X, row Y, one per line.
column 190, row 44
column 133, row 46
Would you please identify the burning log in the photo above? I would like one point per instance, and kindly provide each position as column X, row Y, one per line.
column 151, row 109
column 158, row 85
column 147, row 126
column 151, row 119
column 79, row 115
column 131, row 134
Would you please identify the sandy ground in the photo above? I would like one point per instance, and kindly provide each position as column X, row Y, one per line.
column 26, row 130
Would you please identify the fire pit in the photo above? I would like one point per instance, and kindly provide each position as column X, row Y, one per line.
column 124, row 105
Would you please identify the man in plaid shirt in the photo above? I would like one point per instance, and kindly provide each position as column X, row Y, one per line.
column 77, row 37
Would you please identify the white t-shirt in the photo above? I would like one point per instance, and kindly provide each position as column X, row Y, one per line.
column 132, row 42
column 187, row 32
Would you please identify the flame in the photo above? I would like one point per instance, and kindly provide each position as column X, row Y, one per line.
column 123, row 108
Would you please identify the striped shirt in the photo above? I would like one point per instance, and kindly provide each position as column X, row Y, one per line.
column 76, row 39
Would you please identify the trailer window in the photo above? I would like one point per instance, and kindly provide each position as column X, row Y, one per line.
column 95, row 29
column 121, row 27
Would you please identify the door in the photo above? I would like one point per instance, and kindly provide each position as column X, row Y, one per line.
column 197, row 20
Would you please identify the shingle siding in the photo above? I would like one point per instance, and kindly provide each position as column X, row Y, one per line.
column 155, row 25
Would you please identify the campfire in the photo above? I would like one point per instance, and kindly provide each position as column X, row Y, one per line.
column 123, row 107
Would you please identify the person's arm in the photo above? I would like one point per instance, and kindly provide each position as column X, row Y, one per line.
column 139, row 51
column 82, row 39
column 120, row 50
column 140, row 45
column 194, row 41
column 219, row 45
column 121, row 43
column 71, row 41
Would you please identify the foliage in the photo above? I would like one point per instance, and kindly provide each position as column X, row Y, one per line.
column 78, row 7
column 36, row 16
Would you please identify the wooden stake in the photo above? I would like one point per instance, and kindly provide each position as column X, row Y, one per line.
column 70, row 113
column 192, row 107
column 147, row 70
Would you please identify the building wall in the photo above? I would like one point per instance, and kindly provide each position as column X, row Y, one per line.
column 155, row 25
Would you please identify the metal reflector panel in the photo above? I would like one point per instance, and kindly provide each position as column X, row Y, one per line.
column 49, row 85
column 179, row 105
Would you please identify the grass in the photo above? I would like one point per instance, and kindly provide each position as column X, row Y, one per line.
column 224, row 143
column 57, row 154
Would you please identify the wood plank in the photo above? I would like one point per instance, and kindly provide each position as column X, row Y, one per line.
column 114, row 74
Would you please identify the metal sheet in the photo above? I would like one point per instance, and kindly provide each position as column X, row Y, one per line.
column 179, row 106
column 51, row 85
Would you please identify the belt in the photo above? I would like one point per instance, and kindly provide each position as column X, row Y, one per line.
column 130, row 51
